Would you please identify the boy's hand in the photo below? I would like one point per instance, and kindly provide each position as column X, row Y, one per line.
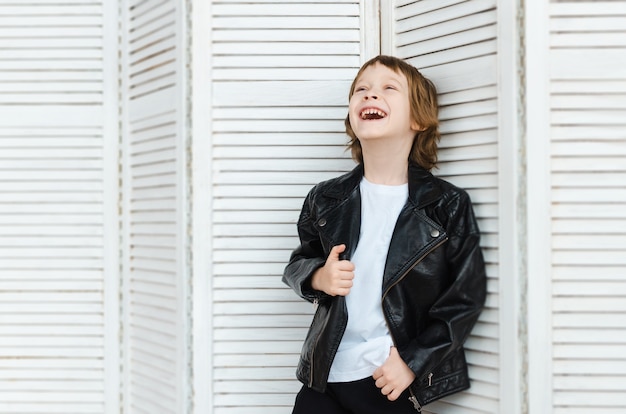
column 335, row 277
column 394, row 376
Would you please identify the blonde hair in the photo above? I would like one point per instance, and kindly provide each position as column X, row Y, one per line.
column 424, row 111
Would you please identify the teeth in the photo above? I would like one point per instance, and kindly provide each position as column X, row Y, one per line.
column 372, row 113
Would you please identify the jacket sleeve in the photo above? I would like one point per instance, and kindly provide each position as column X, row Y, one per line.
column 307, row 257
column 455, row 312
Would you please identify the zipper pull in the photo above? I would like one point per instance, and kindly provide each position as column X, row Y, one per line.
column 316, row 303
column 430, row 379
column 416, row 403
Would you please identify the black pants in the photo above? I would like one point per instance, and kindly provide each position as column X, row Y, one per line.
column 357, row 397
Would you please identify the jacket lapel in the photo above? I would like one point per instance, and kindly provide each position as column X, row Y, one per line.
column 340, row 223
column 414, row 234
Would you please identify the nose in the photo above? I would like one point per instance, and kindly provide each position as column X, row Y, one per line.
column 371, row 96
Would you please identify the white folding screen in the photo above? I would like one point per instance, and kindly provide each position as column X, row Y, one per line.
column 588, row 200
column 280, row 76
column 272, row 107
column 155, row 276
column 454, row 43
column 58, row 190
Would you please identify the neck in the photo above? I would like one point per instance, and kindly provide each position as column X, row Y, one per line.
column 386, row 169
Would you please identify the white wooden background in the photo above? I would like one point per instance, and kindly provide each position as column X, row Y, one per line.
column 588, row 200
column 58, row 194
column 154, row 159
column 155, row 273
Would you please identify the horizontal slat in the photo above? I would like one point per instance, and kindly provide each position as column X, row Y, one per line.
column 271, row 178
column 461, row 53
column 295, row 35
column 151, row 28
column 588, row 226
column 589, row 320
column 408, row 8
column 586, row 8
column 615, row 367
column 593, row 63
column 599, row 195
column 250, row 334
column 54, row 119
column 462, row 23
column 590, row 242
column 469, row 74
column 601, row 101
column 252, row 256
column 588, row 117
column 253, row 360
column 146, row 12
column 259, row 308
column 253, row 400
column 305, row 61
column 580, row 303
column 588, row 40
column 587, row 383
column 283, row 22
column 589, row 272
column 282, row 94
column 258, row 282
column 283, row 74
column 244, row 387
column 585, row 164
column 291, row 48
column 590, row 336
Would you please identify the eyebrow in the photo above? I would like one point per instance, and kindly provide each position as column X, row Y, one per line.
column 388, row 78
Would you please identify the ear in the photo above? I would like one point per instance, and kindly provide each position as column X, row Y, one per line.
column 416, row 127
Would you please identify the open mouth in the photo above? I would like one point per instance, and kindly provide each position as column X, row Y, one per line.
column 372, row 113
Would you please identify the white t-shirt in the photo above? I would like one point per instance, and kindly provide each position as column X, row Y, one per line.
column 366, row 342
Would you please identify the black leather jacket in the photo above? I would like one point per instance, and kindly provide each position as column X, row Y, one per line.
column 434, row 283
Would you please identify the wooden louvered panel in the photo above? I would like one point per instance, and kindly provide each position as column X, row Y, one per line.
column 588, row 108
column 54, row 150
column 51, row 317
column 52, row 53
column 155, row 277
column 454, row 44
column 278, row 110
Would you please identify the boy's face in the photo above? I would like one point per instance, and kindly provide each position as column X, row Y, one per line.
column 379, row 107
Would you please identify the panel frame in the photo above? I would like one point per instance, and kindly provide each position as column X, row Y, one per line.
column 201, row 206
column 537, row 207
column 111, row 219
column 510, row 212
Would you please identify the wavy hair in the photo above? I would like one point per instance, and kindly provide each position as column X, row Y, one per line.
column 424, row 111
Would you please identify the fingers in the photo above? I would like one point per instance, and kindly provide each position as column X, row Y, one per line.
column 389, row 389
column 394, row 376
column 336, row 276
column 333, row 256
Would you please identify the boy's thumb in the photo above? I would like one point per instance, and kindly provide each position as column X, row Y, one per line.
column 336, row 251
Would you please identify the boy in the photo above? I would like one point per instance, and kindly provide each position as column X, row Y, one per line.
column 391, row 257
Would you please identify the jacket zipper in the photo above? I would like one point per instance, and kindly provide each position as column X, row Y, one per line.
column 416, row 403
column 412, row 398
column 411, row 268
column 316, row 302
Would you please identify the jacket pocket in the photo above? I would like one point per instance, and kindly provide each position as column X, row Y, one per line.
column 449, row 377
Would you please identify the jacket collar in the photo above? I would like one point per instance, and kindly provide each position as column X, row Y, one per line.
column 423, row 188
